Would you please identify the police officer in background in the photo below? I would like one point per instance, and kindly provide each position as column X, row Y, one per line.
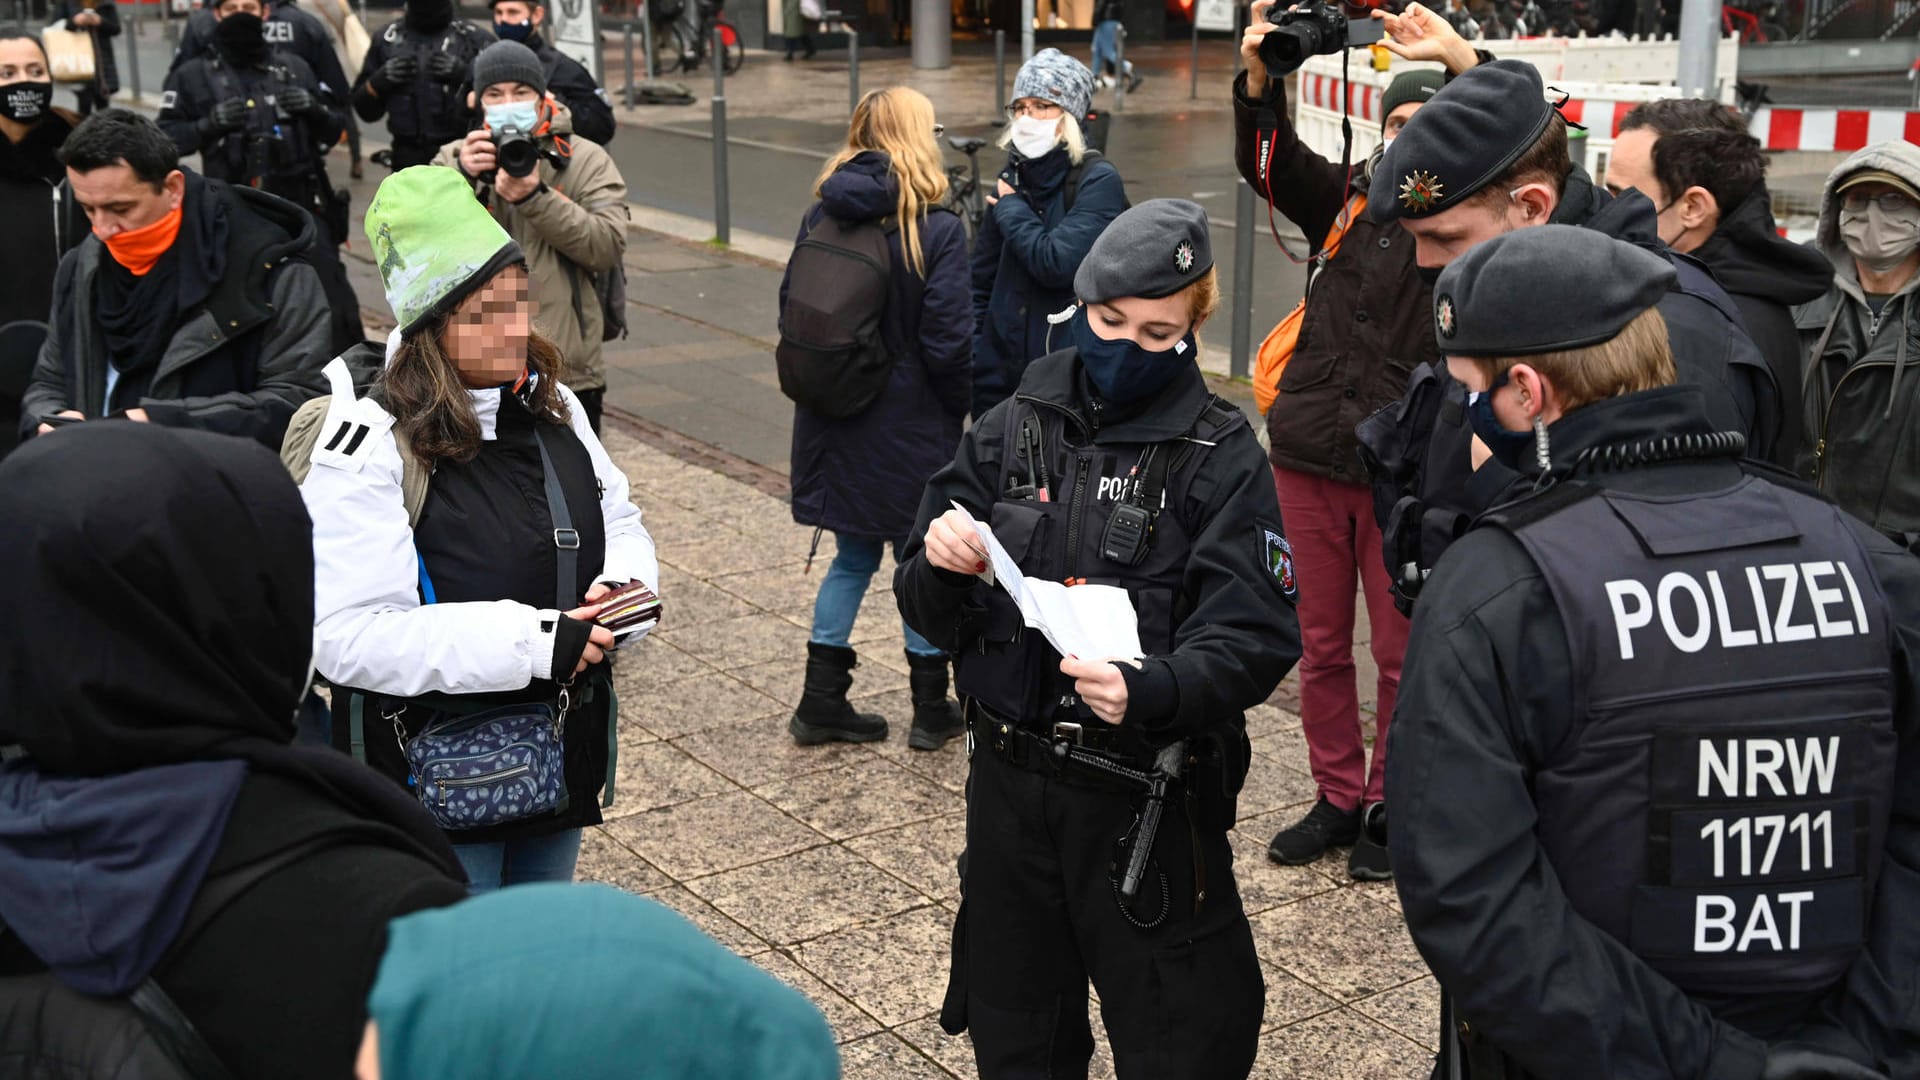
column 416, row 75
column 288, row 30
column 1112, row 465
column 567, row 78
column 1655, row 776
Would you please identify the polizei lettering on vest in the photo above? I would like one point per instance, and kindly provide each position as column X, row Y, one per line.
column 1695, row 611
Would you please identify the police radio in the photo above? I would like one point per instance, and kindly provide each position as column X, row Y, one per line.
column 1130, row 530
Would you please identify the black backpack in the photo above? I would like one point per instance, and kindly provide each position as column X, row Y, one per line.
column 832, row 357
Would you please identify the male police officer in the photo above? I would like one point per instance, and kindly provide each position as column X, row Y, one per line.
column 1486, row 155
column 1655, row 781
column 287, row 30
column 1112, row 465
column 416, row 75
column 567, row 78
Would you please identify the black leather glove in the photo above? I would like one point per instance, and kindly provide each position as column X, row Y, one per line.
column 228, row 115
column 398, row 71
column 444, row 67
column 1798, row 1061
column 297, row 101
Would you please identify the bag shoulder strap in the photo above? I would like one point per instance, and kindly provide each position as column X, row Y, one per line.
column 1076, row 175
column 310, row 421
column 566, row 539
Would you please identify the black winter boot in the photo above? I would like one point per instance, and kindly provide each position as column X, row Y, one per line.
column 936, row 717
column 824, row 714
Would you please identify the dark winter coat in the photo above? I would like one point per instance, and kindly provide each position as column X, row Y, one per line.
column 1766, row 275
column 43, row 221
column 289, row 32
column 863, row 476
column 105, row 71
column 572, row 83
column 156, row 722
column 1024, row 259
column 1369, row 319
column 239, row 362
column 425, row 112
column 196, row 88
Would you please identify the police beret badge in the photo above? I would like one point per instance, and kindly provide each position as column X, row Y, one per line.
column 1421, row 191
column 1443, row 316
column 1183, row 256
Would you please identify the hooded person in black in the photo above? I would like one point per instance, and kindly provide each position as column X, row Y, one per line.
column 417, row 74
column 149, row 670
column 1706, row 177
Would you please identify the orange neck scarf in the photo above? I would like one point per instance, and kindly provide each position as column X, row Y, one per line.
column 139, row 249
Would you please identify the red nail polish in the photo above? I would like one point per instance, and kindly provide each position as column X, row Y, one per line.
column 979, row 567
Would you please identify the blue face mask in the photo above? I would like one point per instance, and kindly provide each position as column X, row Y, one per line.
column 513, row 31
column 1509, row 447
column 1121, row 370
column 524, row 115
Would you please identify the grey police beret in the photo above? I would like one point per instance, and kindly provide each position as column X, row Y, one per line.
column 508, row 62
column 1544, row 289
column 1054, row 76
column 1153, row 250
column 1469, row 133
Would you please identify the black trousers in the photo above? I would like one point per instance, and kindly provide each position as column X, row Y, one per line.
column 590, row 401
column 1039, row 919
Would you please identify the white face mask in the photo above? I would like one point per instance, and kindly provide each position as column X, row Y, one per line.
column 1880, row 239
column 1034, row 137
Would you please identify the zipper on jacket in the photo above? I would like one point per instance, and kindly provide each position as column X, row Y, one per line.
column 1075, row 511
column 1826, row 416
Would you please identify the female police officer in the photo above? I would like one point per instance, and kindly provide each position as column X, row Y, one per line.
column 1111, row 464
column 1653, row 775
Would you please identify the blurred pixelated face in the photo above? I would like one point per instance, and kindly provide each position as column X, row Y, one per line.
column 486, row 336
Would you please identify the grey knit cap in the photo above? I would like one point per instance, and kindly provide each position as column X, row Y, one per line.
column 508, row 62
column 1054, row 76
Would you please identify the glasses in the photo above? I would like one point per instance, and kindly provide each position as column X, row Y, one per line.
column 1888, row 201
column 939, row 130
column 1040, row 110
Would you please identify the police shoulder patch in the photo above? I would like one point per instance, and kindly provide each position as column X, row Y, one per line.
column 1277, row 556
column 167, row 99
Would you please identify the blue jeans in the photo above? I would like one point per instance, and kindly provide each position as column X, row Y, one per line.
column 520, row 862
column 1106, row 46
column 838, row 602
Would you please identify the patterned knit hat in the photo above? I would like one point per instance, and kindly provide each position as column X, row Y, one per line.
column 434, row 243
column 1054, row 76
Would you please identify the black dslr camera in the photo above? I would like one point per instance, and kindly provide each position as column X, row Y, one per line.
column 516, row 151
column 1312, row 29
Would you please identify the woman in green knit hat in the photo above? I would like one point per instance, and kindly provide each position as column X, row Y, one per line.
column 467, row 522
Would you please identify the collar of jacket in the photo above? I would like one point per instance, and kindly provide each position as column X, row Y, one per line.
column 1649, row 414
column 32, row 158
column 1055, row 380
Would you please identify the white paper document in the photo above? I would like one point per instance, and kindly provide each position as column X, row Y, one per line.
column 1087, row 621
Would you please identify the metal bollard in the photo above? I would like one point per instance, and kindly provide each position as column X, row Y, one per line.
column 632, row 91
column 133, row 48
column 1241, row 361
column 1119, row 70
column 722, row 227
column 1000, row 71
column 853, row 67
column 646, row 46
column 1193, row 91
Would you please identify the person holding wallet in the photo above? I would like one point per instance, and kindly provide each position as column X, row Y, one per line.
column 469, row 531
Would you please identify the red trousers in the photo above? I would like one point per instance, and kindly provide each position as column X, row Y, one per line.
column 1336, row 550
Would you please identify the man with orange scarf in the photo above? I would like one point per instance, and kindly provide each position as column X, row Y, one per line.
column 190, row 306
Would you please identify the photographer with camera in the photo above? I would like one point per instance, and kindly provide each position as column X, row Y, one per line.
column 561, row 199
column 1362, row 329
column 415, row 75
column 259, row 118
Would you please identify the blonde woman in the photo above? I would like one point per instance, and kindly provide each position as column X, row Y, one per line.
column 1052, row 201
column 860, row 477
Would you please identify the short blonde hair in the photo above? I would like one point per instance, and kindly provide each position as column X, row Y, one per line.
column 1070, row 134
column 1637, row 358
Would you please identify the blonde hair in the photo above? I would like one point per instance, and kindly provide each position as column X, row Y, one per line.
column 1637, row 358
column 898, row 122
column 1070, row 134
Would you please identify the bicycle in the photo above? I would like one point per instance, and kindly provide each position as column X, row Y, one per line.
column 964, row 194
column 689, row 45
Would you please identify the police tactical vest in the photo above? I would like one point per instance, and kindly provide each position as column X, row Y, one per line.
column 425, row 110
column 1063, row 535
column 286, row 143
column 1721, row 805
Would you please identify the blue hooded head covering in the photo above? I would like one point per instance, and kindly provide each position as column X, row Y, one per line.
column 585, row 982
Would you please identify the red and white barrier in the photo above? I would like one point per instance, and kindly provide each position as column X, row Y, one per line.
column 1844, row 130
column 1323, row 92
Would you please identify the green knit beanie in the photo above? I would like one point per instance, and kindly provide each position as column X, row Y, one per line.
column 434, row 242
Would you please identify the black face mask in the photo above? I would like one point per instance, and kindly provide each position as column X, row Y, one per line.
column 429, row 16
column 1429, row 274
column 241, row 39
column 25, row 102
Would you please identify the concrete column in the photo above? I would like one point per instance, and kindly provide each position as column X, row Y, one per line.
column 932, row 34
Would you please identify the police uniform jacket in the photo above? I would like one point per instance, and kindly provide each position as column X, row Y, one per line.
column 569, row 80
column 1488, row 742
column 289, row 32
column 424, row 110
column 197, row 86
column 1217, row 616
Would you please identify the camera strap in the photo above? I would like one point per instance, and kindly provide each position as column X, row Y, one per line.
column 1267, row 136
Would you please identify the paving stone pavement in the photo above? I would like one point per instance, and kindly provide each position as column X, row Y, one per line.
column 833, row 867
